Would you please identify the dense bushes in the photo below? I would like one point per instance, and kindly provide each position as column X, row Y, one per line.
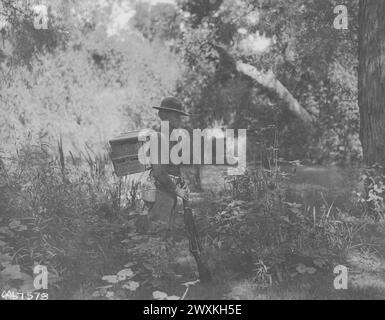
column 59, row 200
column 262, row 224
column 57, row 217
column 67, row 95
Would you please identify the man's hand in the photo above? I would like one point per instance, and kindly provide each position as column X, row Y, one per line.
column 182, row 193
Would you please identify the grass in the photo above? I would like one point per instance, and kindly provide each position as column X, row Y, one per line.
column 97, row 239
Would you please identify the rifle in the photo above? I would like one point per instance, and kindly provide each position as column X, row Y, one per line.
column 195, row 245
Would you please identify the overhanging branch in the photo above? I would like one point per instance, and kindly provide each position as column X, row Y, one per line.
column 269, row 81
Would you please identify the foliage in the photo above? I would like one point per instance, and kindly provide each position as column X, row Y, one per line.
column 60, row 202
column 371, row 196
column 21, row 40
column 57, row 218
column 65, row 91
column 256, row 224
column 157, row 22
column 294, row 39
column 84, row 95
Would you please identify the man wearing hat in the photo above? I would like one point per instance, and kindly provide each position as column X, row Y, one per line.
column 167, row 177
column 170, row 183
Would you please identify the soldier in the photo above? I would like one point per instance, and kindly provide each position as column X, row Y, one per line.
column 168, row 177
column 170, row 185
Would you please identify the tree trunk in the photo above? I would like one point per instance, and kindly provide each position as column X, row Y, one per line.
column 371, row 80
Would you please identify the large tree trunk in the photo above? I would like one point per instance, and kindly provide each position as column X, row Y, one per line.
column 371, row 80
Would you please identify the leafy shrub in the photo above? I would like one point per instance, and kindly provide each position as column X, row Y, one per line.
column 58, row 217
column 372, row 195
column 257, row 226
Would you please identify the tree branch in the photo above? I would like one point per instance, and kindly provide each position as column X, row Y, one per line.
column 269, row 81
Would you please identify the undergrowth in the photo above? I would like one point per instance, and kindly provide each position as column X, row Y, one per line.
column 76, row 219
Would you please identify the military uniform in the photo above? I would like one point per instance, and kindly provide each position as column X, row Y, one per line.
column 167, row 180
column 164, row 178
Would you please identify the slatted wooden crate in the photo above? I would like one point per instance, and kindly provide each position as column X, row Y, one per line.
column 124, row 154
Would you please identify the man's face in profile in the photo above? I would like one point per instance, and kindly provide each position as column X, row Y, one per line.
column 172, row 117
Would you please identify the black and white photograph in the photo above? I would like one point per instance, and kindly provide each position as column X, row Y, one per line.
column 192, row 155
